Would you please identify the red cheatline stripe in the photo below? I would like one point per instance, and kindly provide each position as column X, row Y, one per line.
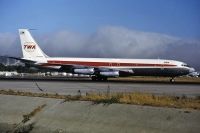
column 95, row 64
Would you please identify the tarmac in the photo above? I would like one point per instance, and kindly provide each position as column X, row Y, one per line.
column 86, row 117
column 72, row 87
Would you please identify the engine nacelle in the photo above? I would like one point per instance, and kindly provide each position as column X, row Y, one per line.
column 110, row 74
column 84, row 71
column 128, row 71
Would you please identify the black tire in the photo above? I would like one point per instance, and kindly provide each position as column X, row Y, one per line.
column 99, row 78
column 94, row 78
column 172, row 80
column 105, row 78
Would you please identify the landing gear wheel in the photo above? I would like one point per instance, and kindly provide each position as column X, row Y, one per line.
column 94, row 78
column 172, row 80
column 104, row 78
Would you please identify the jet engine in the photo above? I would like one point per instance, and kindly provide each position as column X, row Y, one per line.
column 110, row 74
column 84, row 71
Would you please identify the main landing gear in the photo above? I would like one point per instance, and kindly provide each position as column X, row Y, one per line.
column 97, row 78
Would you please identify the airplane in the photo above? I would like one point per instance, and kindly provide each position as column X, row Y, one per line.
column 99, row 68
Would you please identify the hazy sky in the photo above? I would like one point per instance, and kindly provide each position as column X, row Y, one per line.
column 174, row 17
column 105, row 28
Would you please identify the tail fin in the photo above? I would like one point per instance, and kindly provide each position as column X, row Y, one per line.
column 30, row 48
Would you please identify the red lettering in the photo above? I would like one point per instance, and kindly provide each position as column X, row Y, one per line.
column 29, row 46
column 33, row 47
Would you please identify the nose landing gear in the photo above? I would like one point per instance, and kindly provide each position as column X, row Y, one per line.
column 172, row 80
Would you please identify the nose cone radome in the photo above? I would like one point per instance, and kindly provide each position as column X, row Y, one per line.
column 191, row 70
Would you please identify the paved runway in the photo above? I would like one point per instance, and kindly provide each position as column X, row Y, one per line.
column 72, row 87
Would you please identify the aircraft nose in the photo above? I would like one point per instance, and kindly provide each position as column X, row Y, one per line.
column 191, row 70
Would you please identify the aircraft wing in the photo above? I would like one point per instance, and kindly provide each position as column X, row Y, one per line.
column 18, row 58
column 101, row 71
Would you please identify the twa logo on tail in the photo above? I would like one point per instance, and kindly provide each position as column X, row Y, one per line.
column 29, row 47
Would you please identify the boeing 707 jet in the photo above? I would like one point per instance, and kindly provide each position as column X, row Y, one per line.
column 99, row 68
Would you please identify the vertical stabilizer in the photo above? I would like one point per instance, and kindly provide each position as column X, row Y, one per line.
column 30, row 48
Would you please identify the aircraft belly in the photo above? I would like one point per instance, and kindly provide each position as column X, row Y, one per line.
column 159, row 72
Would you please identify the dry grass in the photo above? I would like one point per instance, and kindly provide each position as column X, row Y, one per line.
column 32, row 113
column 146, row 99
column 135, row 98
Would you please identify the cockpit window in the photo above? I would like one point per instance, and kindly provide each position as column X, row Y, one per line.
column 185, row 65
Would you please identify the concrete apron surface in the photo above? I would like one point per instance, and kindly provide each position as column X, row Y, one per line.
column 86, row 117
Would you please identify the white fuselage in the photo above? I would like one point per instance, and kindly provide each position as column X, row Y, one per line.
column 116, row 63
column 139, row 67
